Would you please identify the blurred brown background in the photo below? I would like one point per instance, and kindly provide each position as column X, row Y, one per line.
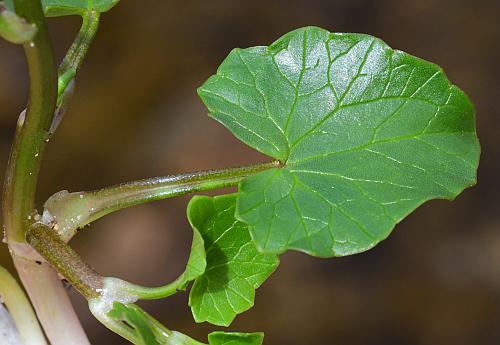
column 135, row 114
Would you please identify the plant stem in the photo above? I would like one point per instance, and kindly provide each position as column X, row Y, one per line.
column 20, row 309
column 71, row 64
column 37, row 123
column 139, row 320
column 76, row 53
column 144, row 292
column 115, row 326
column 46, row 292
column 71, row 211
column 32, row 127
column 51, row 302
column 65, row 260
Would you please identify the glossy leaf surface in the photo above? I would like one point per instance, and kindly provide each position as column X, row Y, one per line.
column 366, row 134
column 234, row 266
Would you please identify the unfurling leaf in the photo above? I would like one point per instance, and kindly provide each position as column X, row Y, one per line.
column 366, row 135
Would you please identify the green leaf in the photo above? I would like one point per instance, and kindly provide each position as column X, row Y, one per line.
column 136, row 321
column 140, row 328
column 143, row 329
column 366, row 134
column 222, row 338
column 57, row 8
column 14, row 28
column 195, row 267
column 234, row 266
column 196, row 264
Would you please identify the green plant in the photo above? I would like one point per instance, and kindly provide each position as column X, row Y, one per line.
column 359, row 135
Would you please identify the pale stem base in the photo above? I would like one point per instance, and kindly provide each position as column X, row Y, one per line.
column 51, row 303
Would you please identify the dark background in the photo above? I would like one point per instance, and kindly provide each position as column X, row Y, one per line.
column 135, row 114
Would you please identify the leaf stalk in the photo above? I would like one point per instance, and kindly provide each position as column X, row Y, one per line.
column 70, row 211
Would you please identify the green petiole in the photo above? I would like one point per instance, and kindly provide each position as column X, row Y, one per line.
column 77, row 52
column 68, row 212
column 71, row 64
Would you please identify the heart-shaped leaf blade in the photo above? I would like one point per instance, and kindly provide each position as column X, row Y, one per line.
column 234, row 266
column 366, row 134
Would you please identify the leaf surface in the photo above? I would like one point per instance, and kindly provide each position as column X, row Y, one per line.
column 366, row 134
column 196, row 264
column 234, row 266
column 58, row 8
